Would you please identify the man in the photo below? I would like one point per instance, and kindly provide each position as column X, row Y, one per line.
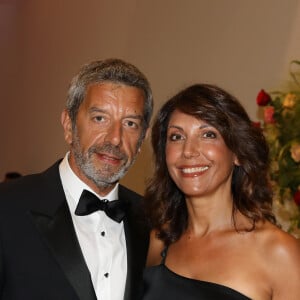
column 54, row 243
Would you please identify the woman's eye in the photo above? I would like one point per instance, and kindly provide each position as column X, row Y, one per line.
column 210, row 134
column 175, row 137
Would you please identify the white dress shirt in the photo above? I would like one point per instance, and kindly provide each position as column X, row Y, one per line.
column 101, row 239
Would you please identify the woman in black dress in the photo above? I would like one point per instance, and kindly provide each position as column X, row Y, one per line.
column 209, row 204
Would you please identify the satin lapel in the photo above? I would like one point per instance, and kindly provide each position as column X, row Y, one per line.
column 54, row 222
column 61, row 239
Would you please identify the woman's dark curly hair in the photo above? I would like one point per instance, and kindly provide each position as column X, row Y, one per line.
column 165, row 203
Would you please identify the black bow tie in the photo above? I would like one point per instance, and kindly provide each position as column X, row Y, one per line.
column 89, row 203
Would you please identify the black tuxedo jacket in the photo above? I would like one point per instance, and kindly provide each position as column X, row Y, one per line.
column 40, row 257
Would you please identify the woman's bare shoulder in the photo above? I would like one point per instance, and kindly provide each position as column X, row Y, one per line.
column 279, row 243
column 282, row 258
column 155, row 249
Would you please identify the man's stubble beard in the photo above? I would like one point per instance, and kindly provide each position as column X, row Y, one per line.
column 106, row 176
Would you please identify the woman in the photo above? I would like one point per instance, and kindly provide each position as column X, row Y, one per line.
column 209, row 204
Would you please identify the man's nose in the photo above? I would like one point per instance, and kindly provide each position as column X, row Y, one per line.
column 114, row 134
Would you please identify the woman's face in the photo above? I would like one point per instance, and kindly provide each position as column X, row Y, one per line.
column 197, row 157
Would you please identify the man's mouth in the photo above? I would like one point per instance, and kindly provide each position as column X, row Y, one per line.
column 109, row 158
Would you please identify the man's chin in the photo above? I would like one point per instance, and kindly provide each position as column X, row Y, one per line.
column 107, row 179
column 105, row 175
column 104, row 185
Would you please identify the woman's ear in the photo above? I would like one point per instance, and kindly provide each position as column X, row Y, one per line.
column 236, row 161
column 67, row 126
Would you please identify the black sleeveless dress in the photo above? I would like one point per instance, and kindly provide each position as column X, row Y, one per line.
column 160, row 283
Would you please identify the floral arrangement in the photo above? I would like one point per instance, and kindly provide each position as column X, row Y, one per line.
column 280, row 113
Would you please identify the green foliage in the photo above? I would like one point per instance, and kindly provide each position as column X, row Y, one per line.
column 282, row 132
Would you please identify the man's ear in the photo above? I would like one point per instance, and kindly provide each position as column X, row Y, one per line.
column 145, row 137
column 148, row 130
column 67, row 126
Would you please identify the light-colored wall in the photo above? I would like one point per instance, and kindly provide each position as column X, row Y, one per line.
column 241, row 45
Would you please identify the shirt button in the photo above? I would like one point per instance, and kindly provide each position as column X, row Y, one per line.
column 103, row 233
column 106, row 275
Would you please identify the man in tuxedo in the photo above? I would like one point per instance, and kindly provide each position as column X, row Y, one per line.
column 63, row 235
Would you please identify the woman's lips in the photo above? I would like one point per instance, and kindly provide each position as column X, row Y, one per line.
column 193, row 171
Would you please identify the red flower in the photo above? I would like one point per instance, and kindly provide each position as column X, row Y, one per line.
column 297, row 197
column 269, row 115
column 256, row 124
column 263, row 98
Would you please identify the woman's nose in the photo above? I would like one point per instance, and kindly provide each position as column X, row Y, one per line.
column 191, row 149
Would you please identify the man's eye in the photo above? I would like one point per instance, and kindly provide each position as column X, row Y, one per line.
column 131, row 124
column 99, row 118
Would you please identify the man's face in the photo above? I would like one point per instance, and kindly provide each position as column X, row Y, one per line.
column 107, row 135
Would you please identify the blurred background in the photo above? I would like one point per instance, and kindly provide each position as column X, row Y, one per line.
column 240, row 45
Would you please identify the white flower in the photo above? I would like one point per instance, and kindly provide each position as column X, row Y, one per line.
column 295, row 152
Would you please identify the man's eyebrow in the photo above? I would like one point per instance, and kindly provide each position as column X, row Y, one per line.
column 96, row 109
column 139, row 117
column 132, row 116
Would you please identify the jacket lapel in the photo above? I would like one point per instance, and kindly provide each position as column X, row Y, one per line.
column 55, row 224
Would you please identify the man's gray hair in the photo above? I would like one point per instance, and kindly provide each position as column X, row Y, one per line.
column 109, row 70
